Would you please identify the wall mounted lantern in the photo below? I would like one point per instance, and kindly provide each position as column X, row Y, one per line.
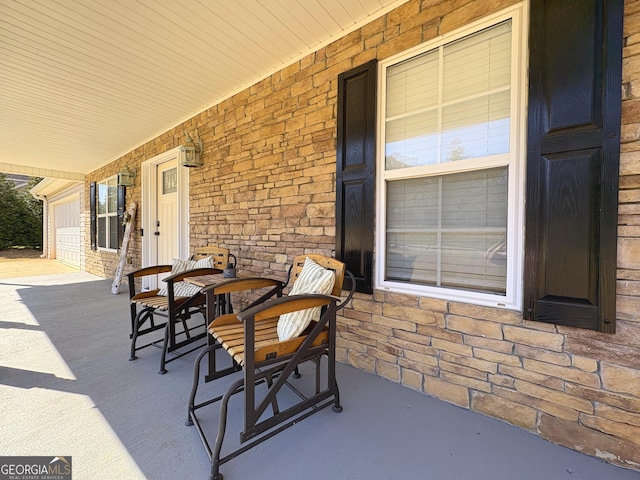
column 126, row 177
column 189, row 153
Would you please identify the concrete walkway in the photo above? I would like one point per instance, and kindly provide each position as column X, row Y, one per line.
column 67, row 389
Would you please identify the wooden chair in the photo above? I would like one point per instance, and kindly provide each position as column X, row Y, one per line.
column 251, row 339
column 154, row 310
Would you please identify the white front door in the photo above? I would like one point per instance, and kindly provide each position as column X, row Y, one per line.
column 166, row 227
column 165, row 213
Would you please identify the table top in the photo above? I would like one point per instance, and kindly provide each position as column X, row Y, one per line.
column 243, row 281
column 206, row 280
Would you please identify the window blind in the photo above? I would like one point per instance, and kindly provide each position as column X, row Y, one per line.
column 451, row 103
column 449, row 230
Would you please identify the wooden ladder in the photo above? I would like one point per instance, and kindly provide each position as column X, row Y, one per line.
column 131, row 213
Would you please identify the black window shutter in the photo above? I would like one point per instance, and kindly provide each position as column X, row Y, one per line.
column 93, row 225
column 572, row 162
column 122, row 193
column 355, row 172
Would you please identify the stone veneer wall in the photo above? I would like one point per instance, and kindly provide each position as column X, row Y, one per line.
column 267, row 191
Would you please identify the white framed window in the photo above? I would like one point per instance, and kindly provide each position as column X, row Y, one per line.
column 451, row 165
column 107, row 214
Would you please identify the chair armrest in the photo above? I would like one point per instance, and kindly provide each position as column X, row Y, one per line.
column 246, row 284
column 282, row 305
column 153, row 270
column 351, row 291
column 143, row 272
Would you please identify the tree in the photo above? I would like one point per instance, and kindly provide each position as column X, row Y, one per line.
column 20, row 215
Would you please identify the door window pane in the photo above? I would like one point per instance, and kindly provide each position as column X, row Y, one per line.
column 170, row 181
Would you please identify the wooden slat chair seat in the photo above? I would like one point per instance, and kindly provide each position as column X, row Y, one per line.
column 156, row 302
column 231, row 337
column 151, row 312
column 251, row 340
column 267, row 344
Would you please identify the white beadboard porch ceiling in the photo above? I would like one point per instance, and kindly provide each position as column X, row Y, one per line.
column 83, row 82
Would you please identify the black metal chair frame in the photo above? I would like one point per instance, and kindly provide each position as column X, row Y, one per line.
column 273, row 373
column 172, row 311
column 218, row 302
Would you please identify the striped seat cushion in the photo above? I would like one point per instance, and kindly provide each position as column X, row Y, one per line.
column 312, row 279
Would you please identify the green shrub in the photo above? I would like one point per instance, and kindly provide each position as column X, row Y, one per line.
column 20, row 215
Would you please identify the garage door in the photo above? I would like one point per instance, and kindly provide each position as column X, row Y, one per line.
column 67, row 232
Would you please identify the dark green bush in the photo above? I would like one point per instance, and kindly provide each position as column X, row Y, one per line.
column 20, row 215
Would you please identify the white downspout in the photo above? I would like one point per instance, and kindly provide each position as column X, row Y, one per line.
column 45, row 224
column 45, row 227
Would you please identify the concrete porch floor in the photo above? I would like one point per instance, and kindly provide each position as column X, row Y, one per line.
column 68, row 389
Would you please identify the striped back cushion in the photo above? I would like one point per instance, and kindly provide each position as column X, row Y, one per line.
column 206, row 262
column 312, row 279
column 184, row 289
